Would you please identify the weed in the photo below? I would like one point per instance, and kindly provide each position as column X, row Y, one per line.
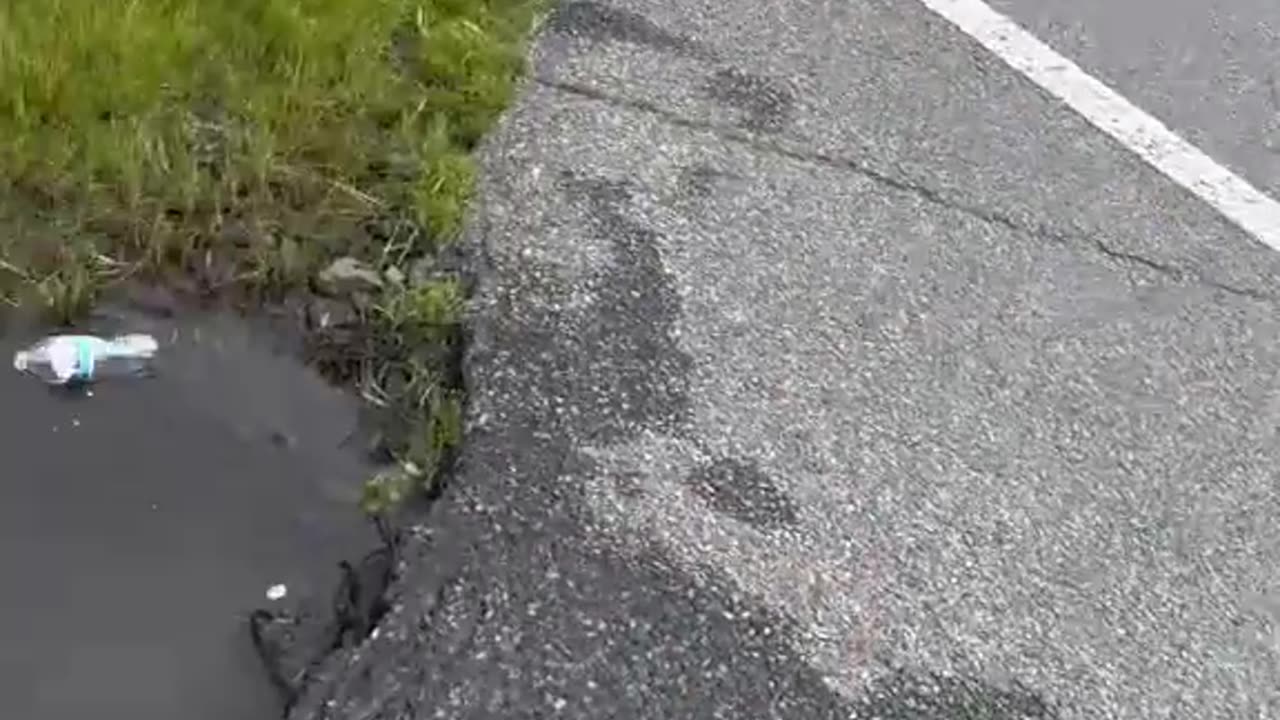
column 445, row 186
column 406, row 370
column 159, row 122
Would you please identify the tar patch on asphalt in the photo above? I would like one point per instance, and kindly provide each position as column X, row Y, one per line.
column 599, row 22
column 765, row 103
column 743, row 491
column 911, row 696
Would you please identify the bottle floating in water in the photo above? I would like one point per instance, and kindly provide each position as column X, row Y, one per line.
column 66, row 359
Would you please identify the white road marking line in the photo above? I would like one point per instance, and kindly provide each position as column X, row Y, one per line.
column 1150, row 139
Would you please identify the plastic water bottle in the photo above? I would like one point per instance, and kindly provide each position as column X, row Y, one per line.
column 65, row 359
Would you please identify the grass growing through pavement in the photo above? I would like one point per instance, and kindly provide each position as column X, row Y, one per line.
column 235, row 147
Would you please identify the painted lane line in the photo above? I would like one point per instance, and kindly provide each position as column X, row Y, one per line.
column 1150, row 139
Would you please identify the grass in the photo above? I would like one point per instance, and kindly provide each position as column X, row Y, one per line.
column 236, row 147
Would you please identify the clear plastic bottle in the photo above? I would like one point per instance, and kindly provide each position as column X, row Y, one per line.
column 65, row 359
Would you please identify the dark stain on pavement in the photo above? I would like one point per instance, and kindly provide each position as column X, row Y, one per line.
column 599, row 22
column 741, row 490
column 765, row 103
column 621, row 363
column 906, row 695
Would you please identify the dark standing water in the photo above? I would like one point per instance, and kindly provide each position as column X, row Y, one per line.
column 139, row 525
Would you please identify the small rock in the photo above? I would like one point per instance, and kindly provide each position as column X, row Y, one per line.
column 346, row 276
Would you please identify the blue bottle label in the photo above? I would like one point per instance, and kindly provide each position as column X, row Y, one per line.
column 84, row 360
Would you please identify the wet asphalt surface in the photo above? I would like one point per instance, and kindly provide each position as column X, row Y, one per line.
column 824, row 367
column 140, row 525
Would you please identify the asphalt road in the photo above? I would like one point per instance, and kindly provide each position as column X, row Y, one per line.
column 825, row 367
column 1207, row 68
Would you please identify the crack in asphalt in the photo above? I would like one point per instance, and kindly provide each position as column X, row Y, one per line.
column 910, row 186
column 1181, row 274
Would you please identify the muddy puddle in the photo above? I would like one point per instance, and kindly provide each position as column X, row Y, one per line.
column 140, row 525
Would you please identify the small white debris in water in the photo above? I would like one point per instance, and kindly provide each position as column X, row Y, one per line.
column 75, row 422
column 277, row 592
column 88, row 393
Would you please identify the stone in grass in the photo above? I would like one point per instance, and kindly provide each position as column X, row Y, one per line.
column 347, row 276
column 395, row 276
